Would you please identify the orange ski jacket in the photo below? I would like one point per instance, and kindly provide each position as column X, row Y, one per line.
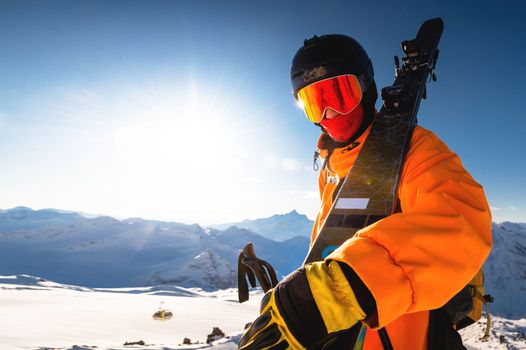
column 416, row 260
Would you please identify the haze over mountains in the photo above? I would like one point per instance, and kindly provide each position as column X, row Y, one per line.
column 104, row 252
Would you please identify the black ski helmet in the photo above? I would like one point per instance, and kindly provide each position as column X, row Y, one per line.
column 331, row 55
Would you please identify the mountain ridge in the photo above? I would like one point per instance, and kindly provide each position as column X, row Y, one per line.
column 279, row 227
column 106, row 252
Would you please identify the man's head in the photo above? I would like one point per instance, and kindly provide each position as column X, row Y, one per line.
column 333, row 80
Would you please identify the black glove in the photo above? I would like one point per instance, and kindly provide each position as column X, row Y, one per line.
column 307, row 308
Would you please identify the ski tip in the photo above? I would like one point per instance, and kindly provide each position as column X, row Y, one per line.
column 436, row 22
column 432, row 28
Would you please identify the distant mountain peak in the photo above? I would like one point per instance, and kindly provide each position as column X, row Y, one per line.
column 278, row 227
column 292, row 213
column 512, row 226
column 19, row 208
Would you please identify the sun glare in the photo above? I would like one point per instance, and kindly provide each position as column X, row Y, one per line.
column 167, row 148
column 194, row 128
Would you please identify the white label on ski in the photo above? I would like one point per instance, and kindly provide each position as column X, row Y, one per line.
column 352, row 203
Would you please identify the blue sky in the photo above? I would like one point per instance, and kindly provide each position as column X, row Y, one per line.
column 182, row 110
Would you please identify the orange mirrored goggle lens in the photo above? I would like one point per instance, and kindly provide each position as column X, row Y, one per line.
column 342, row 94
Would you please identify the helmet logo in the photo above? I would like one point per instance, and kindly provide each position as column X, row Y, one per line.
column 314, row 74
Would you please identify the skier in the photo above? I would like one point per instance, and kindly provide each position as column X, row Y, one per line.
column 397, row 272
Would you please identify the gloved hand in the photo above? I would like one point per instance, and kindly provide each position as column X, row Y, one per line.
column 304, row 309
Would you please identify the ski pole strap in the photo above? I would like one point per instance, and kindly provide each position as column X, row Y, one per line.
column 252, row 268
column 485, row 299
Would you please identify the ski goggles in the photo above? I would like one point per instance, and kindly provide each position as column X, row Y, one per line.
column 342, row 94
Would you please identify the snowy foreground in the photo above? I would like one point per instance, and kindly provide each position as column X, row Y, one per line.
column 505, row 334
column 39, row 314
column 47, row 315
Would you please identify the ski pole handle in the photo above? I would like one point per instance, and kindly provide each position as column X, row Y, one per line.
column 252, row 268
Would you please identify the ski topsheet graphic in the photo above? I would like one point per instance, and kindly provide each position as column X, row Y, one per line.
column 368, row 193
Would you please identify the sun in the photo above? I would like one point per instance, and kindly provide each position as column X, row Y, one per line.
column 189, row 125
column 161, row 147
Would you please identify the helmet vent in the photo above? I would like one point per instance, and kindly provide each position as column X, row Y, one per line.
column 311, row 41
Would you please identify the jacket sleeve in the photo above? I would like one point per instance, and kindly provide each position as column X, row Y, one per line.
column 418, row 259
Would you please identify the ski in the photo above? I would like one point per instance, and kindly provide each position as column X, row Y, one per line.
column 368, row 193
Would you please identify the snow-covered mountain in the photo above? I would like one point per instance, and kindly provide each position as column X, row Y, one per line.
column 208, row 269
column 105, row 252
column 505, row 270
column 278, row 227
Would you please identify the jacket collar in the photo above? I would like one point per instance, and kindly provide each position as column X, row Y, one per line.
column 339, row 160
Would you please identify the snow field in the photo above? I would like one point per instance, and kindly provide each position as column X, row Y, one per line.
column 44, row 315
column 33, row 317
column 504, row 334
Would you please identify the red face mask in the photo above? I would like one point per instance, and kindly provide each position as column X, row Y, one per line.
column 342, row 127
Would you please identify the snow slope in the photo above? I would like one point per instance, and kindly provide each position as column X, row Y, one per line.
column 38, row 314
column 505, row 334
column 206, row 268
column 505, row 270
